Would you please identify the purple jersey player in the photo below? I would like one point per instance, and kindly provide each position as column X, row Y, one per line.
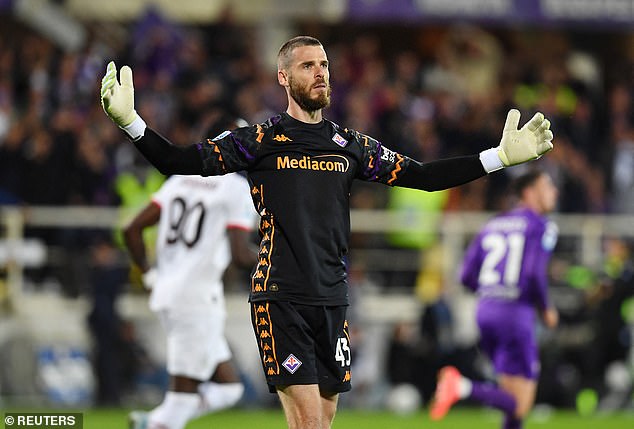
column 506, row 266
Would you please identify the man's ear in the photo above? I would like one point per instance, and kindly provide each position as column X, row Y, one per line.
column 282, row 78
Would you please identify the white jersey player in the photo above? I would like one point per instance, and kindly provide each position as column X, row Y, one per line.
column 193, row 248
column 203, row 224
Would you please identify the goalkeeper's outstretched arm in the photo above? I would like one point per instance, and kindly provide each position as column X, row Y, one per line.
column 516, row 147
column 117, row 100
column 167, row 157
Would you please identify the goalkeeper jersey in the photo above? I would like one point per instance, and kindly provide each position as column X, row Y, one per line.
column 300, row 176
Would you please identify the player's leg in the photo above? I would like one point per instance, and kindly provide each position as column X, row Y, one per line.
column 514, row 395
column 297, row 344
column 328, row 408
column 181, row 400
column 523, row 389
column 298, row 402
column 180, row 404
column 496, row 343
column 507, row 336
column 334, row 355
column 224, row 390
column 226, row 372
column 453, row 387
column 189, row 344
column 287, row 352
column 182, row 395
column 517, row 366
column 182, row 384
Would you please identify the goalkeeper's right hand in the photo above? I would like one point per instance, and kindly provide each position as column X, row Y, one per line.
column 117, row 100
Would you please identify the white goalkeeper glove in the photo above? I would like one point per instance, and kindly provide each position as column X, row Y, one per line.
column 117, row 101
column 519, row 146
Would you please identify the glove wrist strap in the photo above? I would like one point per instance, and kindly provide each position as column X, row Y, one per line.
column 491, row 160
column 136, row 129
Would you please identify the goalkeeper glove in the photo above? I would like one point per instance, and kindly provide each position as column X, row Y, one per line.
column 519, row 146
column 529, row 142
column 117, row 101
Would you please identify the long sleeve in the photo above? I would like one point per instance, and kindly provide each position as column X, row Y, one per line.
column 441, row 174
column 381, row 164
column 167, row 157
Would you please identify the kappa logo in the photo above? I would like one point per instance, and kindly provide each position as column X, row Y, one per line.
column 339, row 140
column 292, row 364
column 281, row 138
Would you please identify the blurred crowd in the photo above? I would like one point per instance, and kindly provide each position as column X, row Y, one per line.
column 428, row 92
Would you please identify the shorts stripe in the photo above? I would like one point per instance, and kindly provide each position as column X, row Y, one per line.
column 264, row 330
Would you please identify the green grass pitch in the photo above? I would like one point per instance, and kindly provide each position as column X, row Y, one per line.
column 459, row 418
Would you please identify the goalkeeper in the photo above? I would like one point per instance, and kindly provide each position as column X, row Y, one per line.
column 301, row 168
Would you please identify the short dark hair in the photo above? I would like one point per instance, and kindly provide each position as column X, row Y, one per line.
column 520, row 183
column 284, row 53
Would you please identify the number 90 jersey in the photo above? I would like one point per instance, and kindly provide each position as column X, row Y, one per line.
column 193, row 249
column 509, row 258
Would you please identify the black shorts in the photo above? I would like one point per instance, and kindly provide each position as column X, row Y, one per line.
column 303, row 344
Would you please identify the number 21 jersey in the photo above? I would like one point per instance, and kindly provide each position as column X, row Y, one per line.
column 508, row 260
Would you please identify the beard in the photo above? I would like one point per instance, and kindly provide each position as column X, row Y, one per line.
column 302, row 97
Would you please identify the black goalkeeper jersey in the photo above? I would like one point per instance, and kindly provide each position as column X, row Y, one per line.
column 301, row 175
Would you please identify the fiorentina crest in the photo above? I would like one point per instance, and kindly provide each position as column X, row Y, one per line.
column 292, row 363
column 339, row 140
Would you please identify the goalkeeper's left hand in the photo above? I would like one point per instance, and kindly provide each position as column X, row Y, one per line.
column 528, row 143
